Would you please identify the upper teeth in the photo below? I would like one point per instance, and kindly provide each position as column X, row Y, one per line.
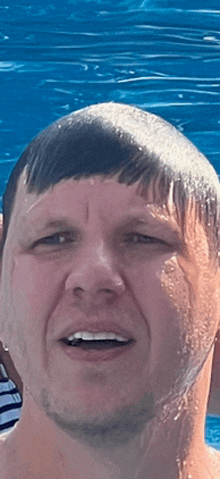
column 95, row 336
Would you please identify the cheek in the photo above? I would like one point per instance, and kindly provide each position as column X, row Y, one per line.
column 153, row 286
column 32, row 289
column 146, row 276
column 193, row 292
column 29, row 283
column 32, row 292
column 154, row 301
column 176, row 287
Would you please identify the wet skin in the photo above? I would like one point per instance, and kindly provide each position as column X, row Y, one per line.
column 94, row 255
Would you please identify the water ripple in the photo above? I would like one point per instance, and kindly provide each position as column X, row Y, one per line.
column 153, row 53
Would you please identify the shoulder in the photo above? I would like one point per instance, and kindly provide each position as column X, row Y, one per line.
column 215, row 459
column 3, row 455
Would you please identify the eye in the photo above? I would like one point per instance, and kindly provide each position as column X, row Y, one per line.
column 58, row 239
column 134, row 239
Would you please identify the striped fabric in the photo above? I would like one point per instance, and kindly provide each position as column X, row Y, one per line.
column 10, row 404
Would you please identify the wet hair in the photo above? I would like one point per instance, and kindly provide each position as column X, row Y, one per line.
column 117, row 140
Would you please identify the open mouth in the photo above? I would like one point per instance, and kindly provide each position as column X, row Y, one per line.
column 96, row 341
column 99, row 344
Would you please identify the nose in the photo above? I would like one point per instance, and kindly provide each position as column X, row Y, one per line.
column 95, row 279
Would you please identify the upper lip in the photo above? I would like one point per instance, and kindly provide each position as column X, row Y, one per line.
column 96, row 327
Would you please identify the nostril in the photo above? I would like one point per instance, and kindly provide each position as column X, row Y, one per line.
column 78, row 291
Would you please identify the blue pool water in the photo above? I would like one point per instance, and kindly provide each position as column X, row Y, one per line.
column 212, row 433
column 161, row 55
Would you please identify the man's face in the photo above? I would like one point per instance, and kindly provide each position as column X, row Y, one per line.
column 91, row 256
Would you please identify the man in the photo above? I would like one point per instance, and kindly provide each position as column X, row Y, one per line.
column 110, row 300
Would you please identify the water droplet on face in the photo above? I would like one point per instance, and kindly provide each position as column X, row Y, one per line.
column 179, row 467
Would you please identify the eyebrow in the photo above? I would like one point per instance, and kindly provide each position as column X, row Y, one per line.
column 128, row 221
column 59, row 223
column 159, row 225
column 149, row 220
column 39, row 226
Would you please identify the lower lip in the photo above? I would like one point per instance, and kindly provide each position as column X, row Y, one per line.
column 94, row 355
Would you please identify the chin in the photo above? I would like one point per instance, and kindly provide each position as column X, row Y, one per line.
column 101, row 424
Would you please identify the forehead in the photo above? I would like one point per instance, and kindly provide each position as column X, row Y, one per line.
column 81, row 192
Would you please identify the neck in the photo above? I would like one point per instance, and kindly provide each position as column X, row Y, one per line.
column 172, row 448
